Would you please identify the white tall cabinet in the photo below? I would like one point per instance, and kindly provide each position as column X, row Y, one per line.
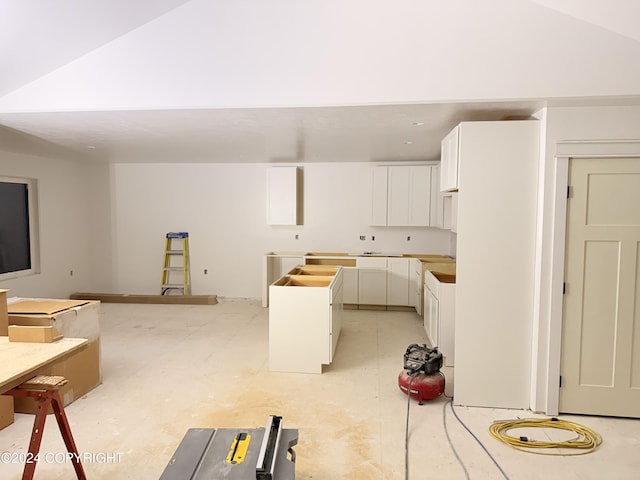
column 497, row 175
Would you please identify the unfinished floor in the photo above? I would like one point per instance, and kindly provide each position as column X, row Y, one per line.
column 167, row 368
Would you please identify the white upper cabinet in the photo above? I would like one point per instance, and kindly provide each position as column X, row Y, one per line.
column 283, row 196
column 379, row 196
column 401, row 196
column 436, row 216
column 449, row 161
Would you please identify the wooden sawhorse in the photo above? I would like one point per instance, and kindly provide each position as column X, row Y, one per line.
column 44, row 389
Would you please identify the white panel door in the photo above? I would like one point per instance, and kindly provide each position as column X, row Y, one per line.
column 600, row 364
column 435, row 215
column 372, row 281
column 449, row 161
column 398, row 281
column 431, row 321
column 399, row 196
column 420, row 196
column 350, row 281
column 378, row 196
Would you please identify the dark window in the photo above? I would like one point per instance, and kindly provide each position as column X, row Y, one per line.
column 15, row 238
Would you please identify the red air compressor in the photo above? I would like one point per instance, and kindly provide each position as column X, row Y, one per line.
column 421, row 377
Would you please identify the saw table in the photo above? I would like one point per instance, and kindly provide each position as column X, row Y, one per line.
column 235, row 454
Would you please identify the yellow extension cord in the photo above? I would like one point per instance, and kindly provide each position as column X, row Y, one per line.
column 586, row 441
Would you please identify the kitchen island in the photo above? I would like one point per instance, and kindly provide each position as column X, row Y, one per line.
column 305, row 319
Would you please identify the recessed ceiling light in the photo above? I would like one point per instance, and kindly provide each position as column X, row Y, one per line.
column 417, row 124
column 92, row 147
column 408, row 142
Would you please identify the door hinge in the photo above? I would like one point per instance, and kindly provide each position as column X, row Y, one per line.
column 564, row 287
column 569, row 191
column 560, row 383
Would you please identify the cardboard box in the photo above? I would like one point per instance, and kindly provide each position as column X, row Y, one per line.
column 6, row 411
column 33, row 334
column 72, row 319
column 4, row 318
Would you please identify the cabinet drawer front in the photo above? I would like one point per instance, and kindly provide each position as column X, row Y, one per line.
column 431, row 283
column 372, row 262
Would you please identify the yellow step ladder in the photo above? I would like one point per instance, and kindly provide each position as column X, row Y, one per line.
column 175, row 273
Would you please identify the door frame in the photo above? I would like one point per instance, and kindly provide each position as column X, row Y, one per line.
column 566, row 151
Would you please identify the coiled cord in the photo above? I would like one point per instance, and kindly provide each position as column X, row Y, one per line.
column 586, row 440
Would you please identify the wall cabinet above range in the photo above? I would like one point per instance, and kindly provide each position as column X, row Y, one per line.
column 401, row 196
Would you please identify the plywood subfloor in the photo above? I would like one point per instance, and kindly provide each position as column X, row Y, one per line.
column 168, row 368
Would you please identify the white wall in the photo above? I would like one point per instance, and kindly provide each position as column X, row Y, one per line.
column 565, row 124
column 223, row 207
column 74, row 218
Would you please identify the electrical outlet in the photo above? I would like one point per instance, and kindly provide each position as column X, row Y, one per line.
column 408, row 238
column 363, row 237
column 297, row 237
column 373, row 237
column 206, row 271
column 71, row 273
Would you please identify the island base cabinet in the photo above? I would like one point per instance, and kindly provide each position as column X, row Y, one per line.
column 304, row 325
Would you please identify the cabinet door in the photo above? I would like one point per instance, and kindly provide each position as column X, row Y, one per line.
column 282, row 196
column 409, row 196
column 416, row 285
column 399, row 196
column 335, row 322
column 350, row 282
column 435, row 215
column 454, row 212
column 378, row 214
column 420, row 196
column 449, row 161
column 431, row 322
column 372, row 281
column 398, row 281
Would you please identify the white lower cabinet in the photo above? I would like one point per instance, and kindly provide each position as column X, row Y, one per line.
column 372, row 280
column 439, row 313
column 415, row 285
column 350, row 285
column 431, row 320
column 305, row 319
column 398, row 282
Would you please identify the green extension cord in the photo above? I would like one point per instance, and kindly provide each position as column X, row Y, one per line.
column 586, row 441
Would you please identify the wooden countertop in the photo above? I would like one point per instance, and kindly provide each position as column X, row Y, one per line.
column 21, row 361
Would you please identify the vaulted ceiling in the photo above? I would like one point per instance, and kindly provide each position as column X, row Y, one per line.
column 290, row 81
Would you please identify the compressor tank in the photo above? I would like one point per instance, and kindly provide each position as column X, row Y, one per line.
column 423, row 386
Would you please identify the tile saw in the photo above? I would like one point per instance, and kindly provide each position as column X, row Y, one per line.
column 235, row 454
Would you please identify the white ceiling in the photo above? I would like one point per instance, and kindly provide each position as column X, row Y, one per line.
column 320, row 134
column 69, row 29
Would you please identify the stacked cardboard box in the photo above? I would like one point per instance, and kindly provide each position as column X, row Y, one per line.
column 70, row 318
column 6, row 402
